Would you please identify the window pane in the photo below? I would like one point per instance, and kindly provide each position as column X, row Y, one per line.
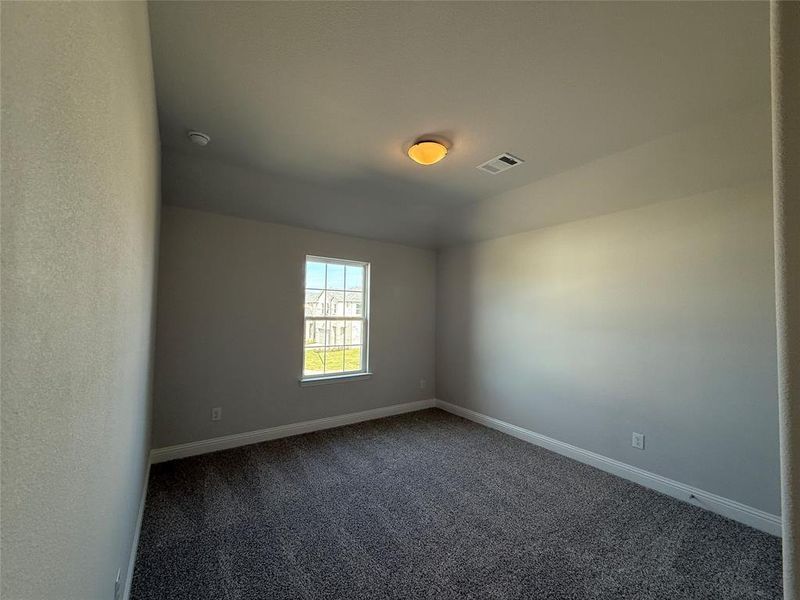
column 315, row 303
column 354, row 277
column 335, row 279
column 335, row 292
column 336, row 330
column 334, row 304
column 314, row 362
column 352, row 359
column 334, row 360
column 315, row 274
column 315, row 333
column 354, row 333
column 354, row 305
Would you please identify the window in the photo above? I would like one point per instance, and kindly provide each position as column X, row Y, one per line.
column 336, row 327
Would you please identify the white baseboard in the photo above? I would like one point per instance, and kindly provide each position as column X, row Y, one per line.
column 126, row 590
column 158, row 455
column 728, row 508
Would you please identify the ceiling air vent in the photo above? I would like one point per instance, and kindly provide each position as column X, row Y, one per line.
column 500, row 163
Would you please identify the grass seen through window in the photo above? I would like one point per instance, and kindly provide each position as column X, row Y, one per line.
column 345, row 359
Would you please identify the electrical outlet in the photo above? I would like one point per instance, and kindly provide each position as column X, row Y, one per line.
column 422, row 383
column 637, row 440
column 216, row 413
column 118, row 584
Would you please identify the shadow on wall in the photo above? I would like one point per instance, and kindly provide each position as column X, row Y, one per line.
column 373, row 206
column 727, row 150
column 456, row 350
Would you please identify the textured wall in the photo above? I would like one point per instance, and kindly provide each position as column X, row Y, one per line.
column 657, row 320
column 230, row 320
column 785, row 38
column 79, row 223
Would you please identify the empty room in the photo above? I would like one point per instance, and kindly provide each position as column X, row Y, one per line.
column 400, row 300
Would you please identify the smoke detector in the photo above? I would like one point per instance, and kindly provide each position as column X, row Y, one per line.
column 501, row 163
column 199, row 138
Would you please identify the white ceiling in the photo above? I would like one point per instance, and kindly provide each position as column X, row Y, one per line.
column 310, row 106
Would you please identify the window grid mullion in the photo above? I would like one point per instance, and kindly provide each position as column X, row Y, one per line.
column 335, row 319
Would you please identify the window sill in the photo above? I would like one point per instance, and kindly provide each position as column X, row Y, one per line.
column 309, row 381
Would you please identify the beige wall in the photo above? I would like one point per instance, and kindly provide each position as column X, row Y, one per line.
column 79, row 222
column 658, row 320
column 785, row 51
column 230, row 326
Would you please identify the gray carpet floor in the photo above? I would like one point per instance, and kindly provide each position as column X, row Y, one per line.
column 428, row 505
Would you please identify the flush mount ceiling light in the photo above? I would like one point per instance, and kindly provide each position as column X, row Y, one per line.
column 427, row 152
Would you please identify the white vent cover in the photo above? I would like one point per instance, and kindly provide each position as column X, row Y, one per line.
column 500, row 163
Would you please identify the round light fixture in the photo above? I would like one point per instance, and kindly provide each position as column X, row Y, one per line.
column 427, row 152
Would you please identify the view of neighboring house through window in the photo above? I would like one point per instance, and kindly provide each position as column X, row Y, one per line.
column 336, row 312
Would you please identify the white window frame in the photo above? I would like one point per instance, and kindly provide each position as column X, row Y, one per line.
column 364, row 372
